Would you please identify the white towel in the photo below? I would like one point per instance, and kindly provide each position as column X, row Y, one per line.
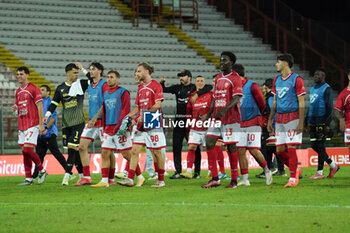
column 76, row 89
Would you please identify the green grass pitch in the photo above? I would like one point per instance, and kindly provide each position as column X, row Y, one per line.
column 181, row 206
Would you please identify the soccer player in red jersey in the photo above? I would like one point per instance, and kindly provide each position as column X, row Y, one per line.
column 89, row 134
column 343, row 106
column 198, row 131
column 149, row 99
column 116, row 104
column 30, row 123
column 252, row 107
column 288, row 102
column 225, row 107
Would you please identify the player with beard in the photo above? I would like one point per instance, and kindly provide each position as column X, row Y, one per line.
column 149, row 99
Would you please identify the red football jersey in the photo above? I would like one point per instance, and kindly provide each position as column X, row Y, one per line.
column 343, row 105
column 147, row 95
column 26, row 99
column 227, row 86
column 199, row 108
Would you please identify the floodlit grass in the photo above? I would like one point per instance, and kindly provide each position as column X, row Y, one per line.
column 181, row 206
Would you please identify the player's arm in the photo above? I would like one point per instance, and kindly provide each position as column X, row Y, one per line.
column 273, row 111
column 50, row 123
column 210, row 112
column 54, row 103
column 133, row 112
column 200, row 92
column 300, row 91
column 189, row 108
column 125, row 109
column 301, row 100
column 172, row 89
column 233, row 102
column 259, row 98
column 39, row 105
column 339, row 116
column 92, row 122
column 156, row 106
column 328, row 98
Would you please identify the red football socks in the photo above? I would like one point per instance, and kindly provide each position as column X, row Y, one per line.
column 86, row 171
column 127, row 166
column 131, row 174
column 220, row 158
column 161, row 174
column 212, row 162
column 293, row 161
column 27, row 165
column 264, row 164
column 155, row 164
column 233, row 157
column 190, row 158
column 105, row 172
column 284, row 157
column 34, row 157
column 111, row 173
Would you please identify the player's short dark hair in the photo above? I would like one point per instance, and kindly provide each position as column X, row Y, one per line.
column 287, row 57
column 231, row 55
column 98, row 66
column 147, row 67
column 70, row 67
column 114, row 72
column 48, row 89
column 200, row 76
column 239, row 69
column 268, row 82
column 23, row 68
column 322, row 70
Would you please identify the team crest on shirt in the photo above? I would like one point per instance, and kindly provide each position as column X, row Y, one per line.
column 110, row 103
column 147, row 93
column 313, row 97
column 282, row 91
column 226, row 85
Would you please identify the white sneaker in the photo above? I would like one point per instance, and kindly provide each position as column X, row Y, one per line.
column 268, row 177
column 120, row 175
column 126, row 182
column 42, row 176
column 243, row 183
column 65, row 180
column 158, row 184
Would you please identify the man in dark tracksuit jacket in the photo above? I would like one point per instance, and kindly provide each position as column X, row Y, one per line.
column 182, row 92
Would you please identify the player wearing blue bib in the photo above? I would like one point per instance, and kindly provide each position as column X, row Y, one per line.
column 288, row 103
column 95, row 91
column 318, row 119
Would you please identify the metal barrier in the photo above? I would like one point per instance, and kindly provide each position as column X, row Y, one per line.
column 153, row 9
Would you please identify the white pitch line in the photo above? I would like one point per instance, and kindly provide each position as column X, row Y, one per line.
column 175, row 204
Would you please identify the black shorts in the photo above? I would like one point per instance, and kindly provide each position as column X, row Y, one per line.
column 71, row 135
column 317, row 133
